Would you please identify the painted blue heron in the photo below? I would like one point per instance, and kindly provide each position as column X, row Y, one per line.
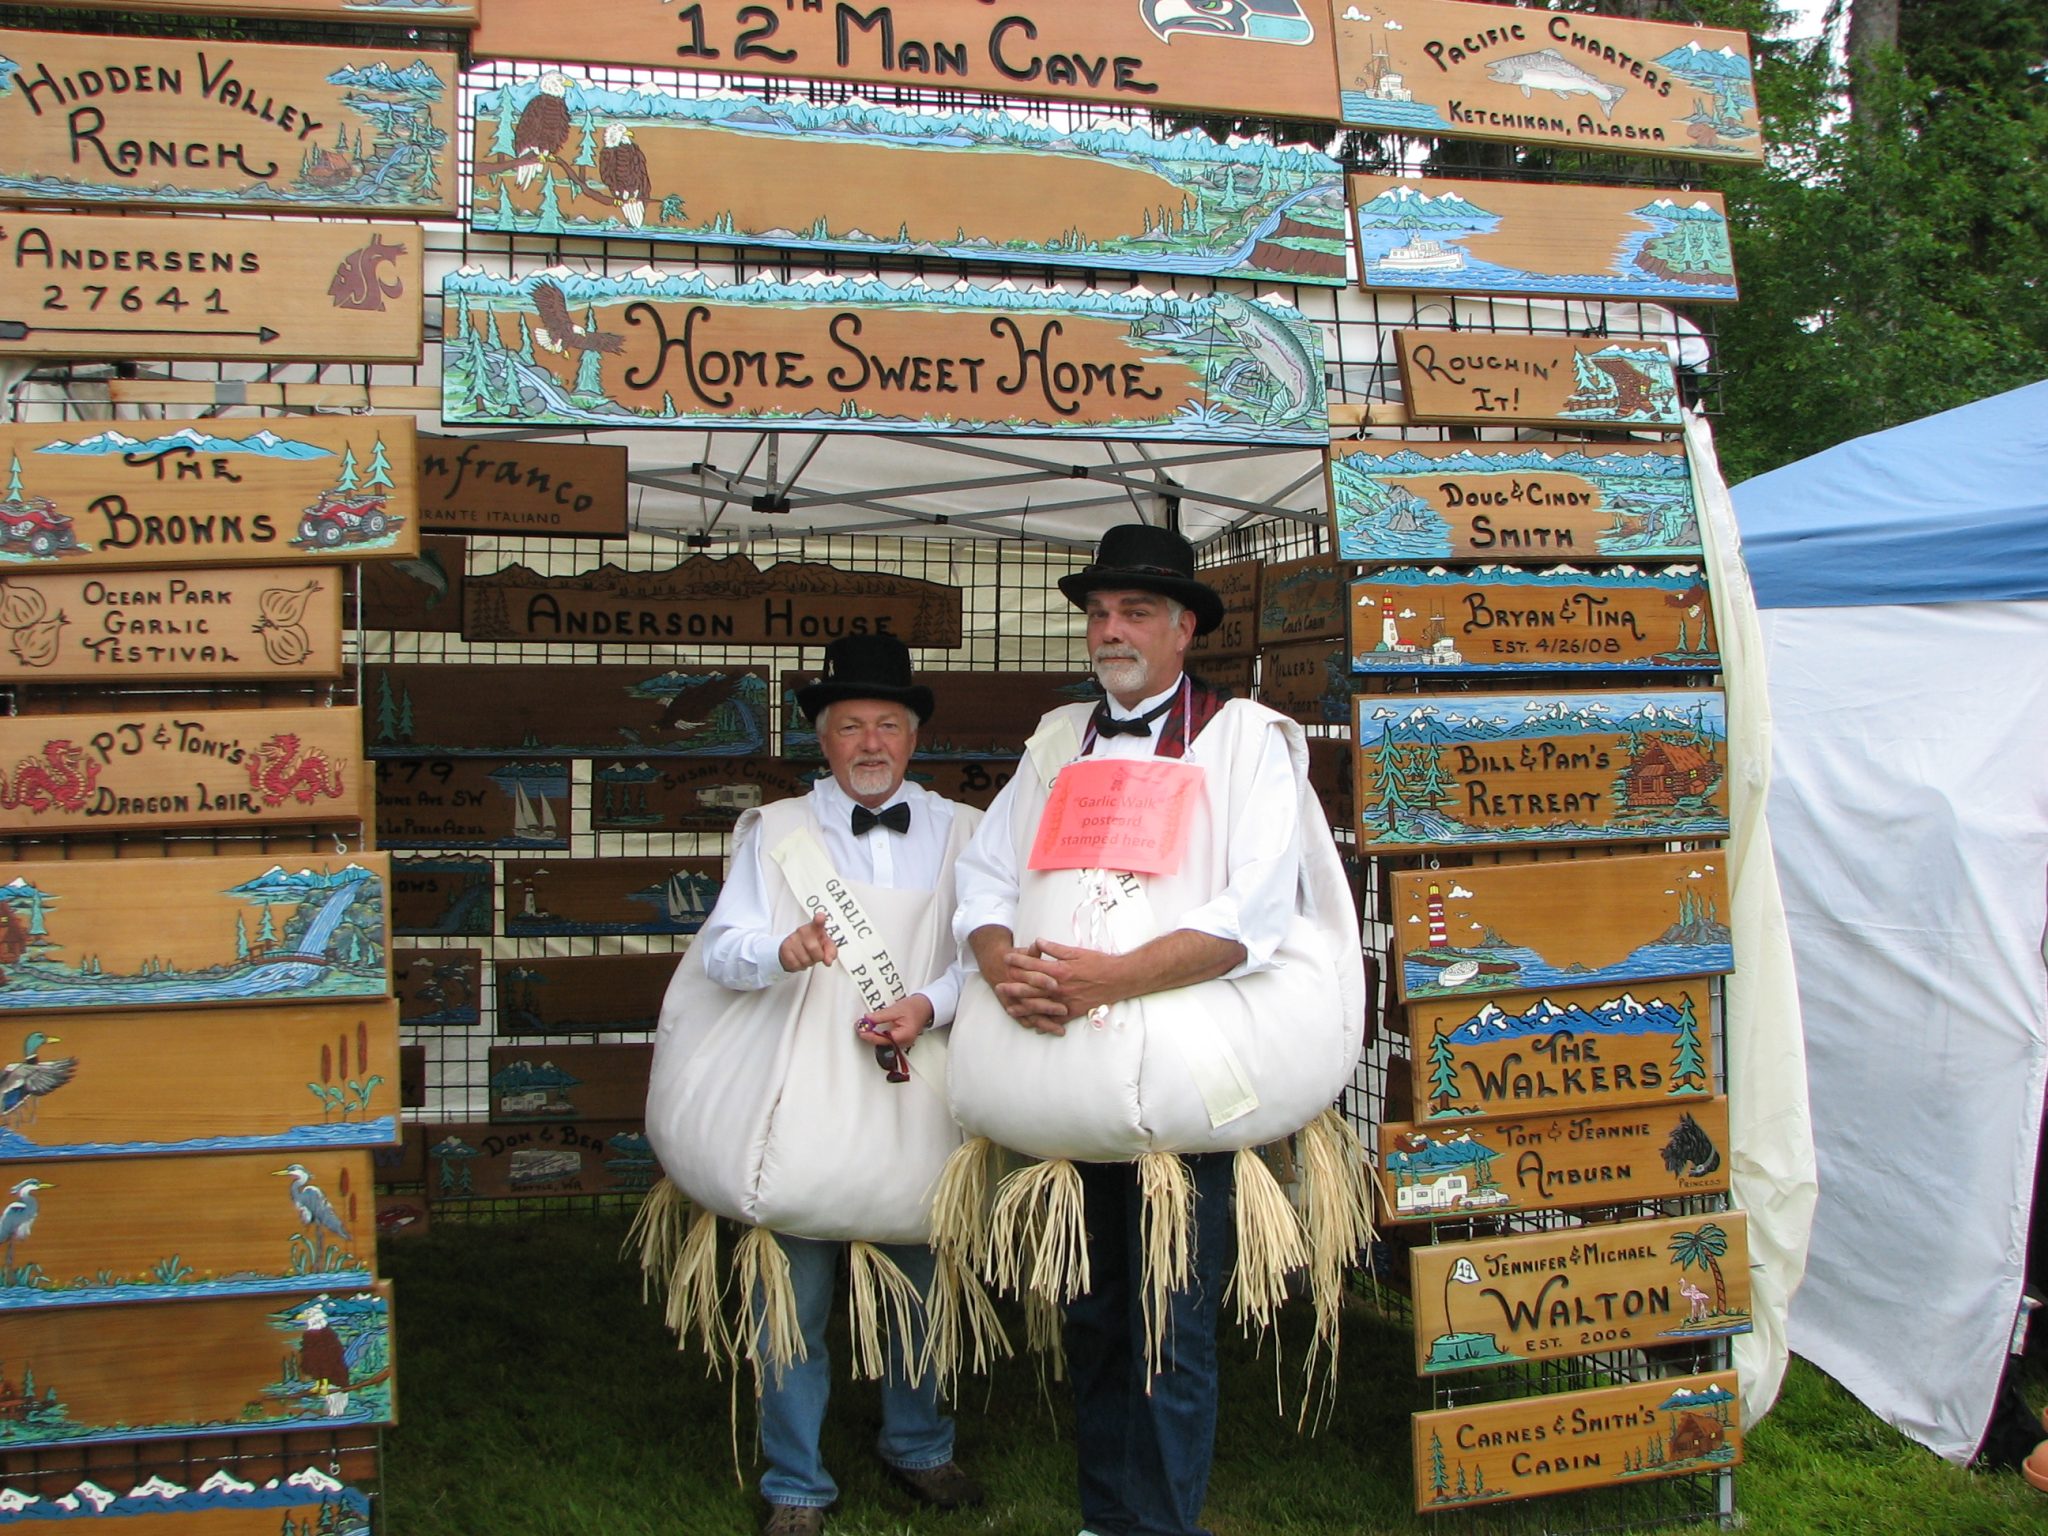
column 29, row 1079
column 18, row 1218
column 314, row 1208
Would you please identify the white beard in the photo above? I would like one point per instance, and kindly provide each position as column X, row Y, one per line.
column 869, row 782
column 1123, row 675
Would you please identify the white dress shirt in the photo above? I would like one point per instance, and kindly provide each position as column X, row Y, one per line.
column 1264, row 859
column 740, row 940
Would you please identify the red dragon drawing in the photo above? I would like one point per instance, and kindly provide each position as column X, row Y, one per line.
column 61, row 779
column 278, row 773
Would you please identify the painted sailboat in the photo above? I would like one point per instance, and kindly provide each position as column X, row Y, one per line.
column 533, row 821
column 685, row 904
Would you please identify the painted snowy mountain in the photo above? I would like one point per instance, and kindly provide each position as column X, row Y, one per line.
column 1665, row 208
column 524, row 1074
column 1697, row 63
column 1621, row 1015
column 274, row 881
column 419, row 78
column 1406, row 206
column 264, row 444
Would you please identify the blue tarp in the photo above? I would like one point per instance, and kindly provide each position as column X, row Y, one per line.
column 1948, row 509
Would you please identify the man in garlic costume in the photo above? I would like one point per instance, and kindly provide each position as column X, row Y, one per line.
column 1169, row 976
column 769, row 1104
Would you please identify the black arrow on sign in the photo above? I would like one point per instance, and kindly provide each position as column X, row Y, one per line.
column 19, row 330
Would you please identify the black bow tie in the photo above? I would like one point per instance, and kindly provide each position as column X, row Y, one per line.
column 1107, row 724
column 896, row 819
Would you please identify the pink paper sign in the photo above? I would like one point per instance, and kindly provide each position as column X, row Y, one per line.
column 1118, row 813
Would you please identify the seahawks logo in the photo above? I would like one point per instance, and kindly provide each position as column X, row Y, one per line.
column 1258, row 21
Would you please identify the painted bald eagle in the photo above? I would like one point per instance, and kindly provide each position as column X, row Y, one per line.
column 557, row 333
column 1259, row 21
column 323, row 1360
column 543, row 127
column 622, row 167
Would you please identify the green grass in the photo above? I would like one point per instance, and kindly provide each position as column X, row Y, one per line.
column 539, row 1397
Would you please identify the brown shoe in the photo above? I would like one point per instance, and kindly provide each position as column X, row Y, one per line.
column 793, row 1520
column 943, row 1487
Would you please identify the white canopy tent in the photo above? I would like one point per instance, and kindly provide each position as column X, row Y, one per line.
column 1904, row 582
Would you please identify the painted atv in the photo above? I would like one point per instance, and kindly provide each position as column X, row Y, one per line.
column 37, row 523
column 340, row 517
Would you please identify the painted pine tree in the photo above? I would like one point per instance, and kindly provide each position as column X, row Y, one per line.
column 1688, row 1065
column 14, row 477
column 1443, row 1071
column 379, row 473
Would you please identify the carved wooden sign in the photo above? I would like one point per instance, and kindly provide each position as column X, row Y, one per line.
column 850, row 177
column 1572, row 501
column 1540, row 238
column 454, row 802
column 107, row 495
column 228, row 126
column 1540, row 1162
column 1456, row 71
column 569, row 1082
column 167, row 1370
column 712, row 600
column 438, row 987
column 1238, row 585
column 1330, row 776
column 1302, row 600
column 1309, row 681
column 1273, row 59
column 154, row 626
column 581, row 994
column 1583, row 922
column 412, row 1077
column 135, row 933
column 304, row 1078
column 210, row 290
column 565, row 710
column 209, row 1485
column 563, row 898
column 1485, row 378
column 1508, row 619
column 422, row 595
column 127, row 1231
column 445, row 898
column 1559, row 1442
column 1580, row 1291
column 132, row 771
column 483, row 1161
column 1230, row 675
column 538, row 490
column 709, row 796
column 652, row 349
column 405, row 1163
column 974, row 714
column 1562, row 1051
column 1457, row 770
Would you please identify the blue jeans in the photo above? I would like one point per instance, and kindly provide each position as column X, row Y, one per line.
column 1144, row 1457
column 914, row 1434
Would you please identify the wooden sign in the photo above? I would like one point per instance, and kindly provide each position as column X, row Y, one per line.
column 1310, row 682
column 1559, row 1442
column 402, row 1216
column 974, row 714
column 1484, row 379
column 1556, row 1160
column 1518, row 501
column 690, row 797
column 1302, row 600
column 151, row 933
column 540, row 490
column 1460, row 770
column 304, row 1079
column 412, row 1077
column 1506, row 619
column 1330, row 775
column 711, row 600
column 217, row 493
column 560, row 156
column 1443, row 70
column 1580, row 1291
column 211, row 290
column 174, row 1369
column 205, row 1488
column 448, row 898
column 1273, row 59
column 203, row 768
column 154, row 626
column 410, row 13
column 853, row 354
column 563, row 898
column 481, row 1161
column 227, row 126
column 405, row 1163
column 566, row 710
column 1565, row 1050
column 1580, row 923
column 420, row 595
column 1238, row 585
column 581, row 994
column 166, row 1228
column 1542, row 238
column 453, row 802
column 569, row 1082
column 438, row 987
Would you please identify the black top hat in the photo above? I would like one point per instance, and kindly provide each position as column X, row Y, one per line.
column 866, row 667
column 1137, row 556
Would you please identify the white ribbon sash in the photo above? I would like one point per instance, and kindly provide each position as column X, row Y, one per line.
column 820, row 888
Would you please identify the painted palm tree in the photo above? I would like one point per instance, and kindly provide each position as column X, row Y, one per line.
column 1703, row 1248
column 24, row 1082
column 18, row 1219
